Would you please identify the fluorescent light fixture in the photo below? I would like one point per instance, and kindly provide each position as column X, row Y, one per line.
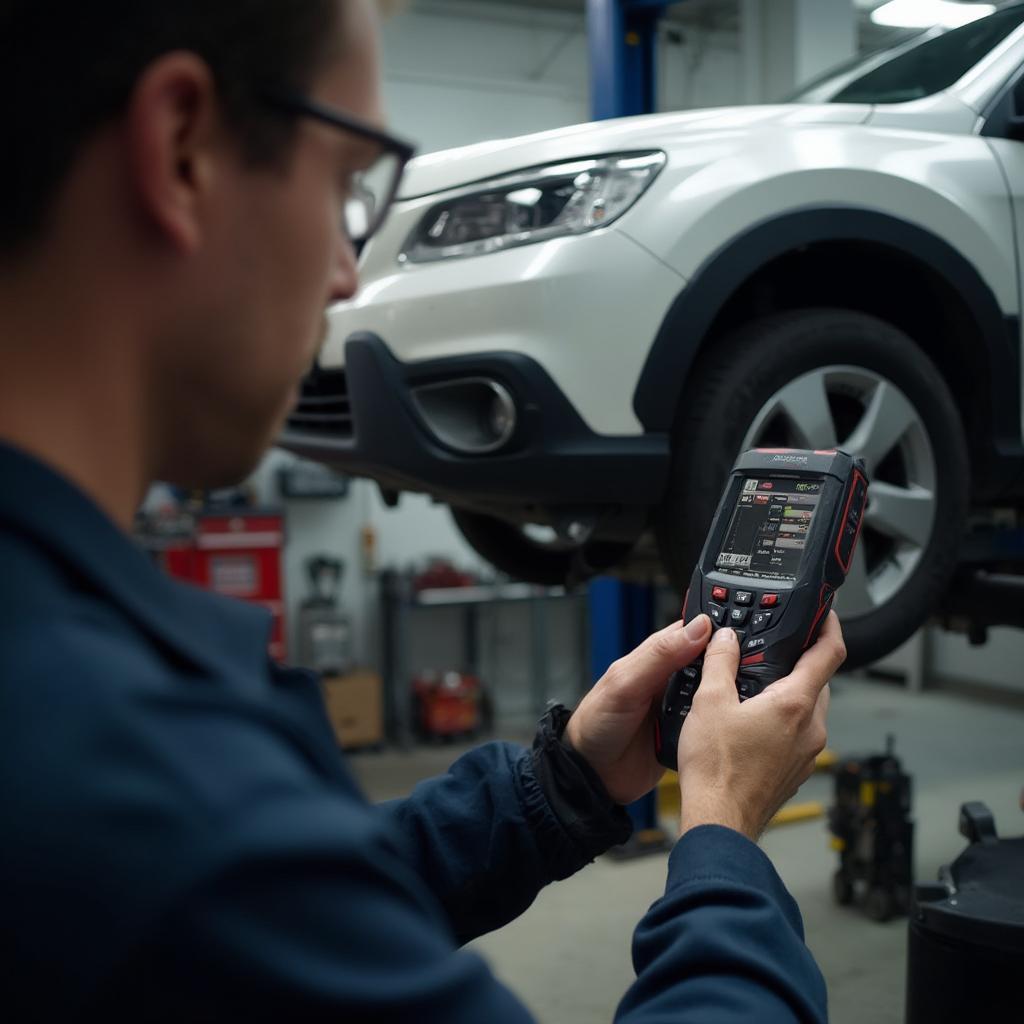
column 926, row 13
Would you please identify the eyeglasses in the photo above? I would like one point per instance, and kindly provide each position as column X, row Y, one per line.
column 372, row 190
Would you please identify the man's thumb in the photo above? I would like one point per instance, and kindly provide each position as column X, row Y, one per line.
column 721, row 662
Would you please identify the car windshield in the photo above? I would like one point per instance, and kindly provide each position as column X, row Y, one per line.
column 922, row 66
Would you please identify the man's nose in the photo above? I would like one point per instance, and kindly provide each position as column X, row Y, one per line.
column 344, row 280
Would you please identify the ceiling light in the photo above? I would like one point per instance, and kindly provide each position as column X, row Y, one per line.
column 926, row 13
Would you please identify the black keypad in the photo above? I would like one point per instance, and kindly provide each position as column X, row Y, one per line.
column 681, row 688
column 717, row 614
column 760, row 622
column 738, row 616
column 743, row 597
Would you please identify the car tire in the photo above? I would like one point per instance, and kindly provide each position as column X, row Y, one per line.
column 775, row 382
column 514, row 553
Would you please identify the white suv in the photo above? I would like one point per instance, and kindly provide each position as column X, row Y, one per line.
column 576, row 332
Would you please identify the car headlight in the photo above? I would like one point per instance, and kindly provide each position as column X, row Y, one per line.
column 532, row 206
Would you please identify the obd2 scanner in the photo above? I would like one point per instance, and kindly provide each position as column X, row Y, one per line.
column 780, row 545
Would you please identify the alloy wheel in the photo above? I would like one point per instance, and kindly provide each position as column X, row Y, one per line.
column 868, row 416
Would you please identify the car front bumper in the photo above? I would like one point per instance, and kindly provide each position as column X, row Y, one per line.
column 586, row 308
column 363, row 421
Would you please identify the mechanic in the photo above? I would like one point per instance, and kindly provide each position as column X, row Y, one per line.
column 181, row 839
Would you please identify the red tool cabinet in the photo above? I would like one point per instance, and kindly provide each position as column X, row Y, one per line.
column 236, row 553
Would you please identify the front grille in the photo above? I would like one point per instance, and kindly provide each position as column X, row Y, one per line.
column 323, row 406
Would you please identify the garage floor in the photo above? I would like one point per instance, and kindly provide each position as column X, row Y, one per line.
column 568, row 956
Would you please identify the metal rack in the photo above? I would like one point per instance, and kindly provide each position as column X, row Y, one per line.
column 401, row 602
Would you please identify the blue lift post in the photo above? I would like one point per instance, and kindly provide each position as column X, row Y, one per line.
column 621, row 617
column 623, row 51
column 623, row 38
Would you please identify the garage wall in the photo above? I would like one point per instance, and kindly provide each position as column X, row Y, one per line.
column 458, row 73
column 702, row 67
column 335, row 527
column 462, row 72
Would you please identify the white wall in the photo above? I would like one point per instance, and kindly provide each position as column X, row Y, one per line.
column 320, row 527
column 416, row 529
column 789, row 42
column 458, row 72
column 700, row 68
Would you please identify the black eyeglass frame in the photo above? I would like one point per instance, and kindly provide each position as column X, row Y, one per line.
column 302, row 106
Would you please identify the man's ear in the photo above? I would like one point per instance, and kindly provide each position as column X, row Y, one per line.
column 174, row 135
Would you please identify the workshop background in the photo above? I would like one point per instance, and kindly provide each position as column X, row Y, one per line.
column 403, row 606
column 458, row 72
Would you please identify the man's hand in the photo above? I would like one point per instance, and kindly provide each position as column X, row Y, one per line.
column 739, row 763
column 613, row 728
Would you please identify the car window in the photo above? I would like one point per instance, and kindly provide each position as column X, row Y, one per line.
column 921, row 68
column 1018, row 98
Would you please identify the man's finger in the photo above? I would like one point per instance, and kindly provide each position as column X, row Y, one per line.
column 819, row 662
column 721, row 663
column 662, row 653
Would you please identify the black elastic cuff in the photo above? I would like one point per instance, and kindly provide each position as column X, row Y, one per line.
column 574, row 790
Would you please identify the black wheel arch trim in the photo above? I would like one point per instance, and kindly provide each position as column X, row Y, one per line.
column 697, row 306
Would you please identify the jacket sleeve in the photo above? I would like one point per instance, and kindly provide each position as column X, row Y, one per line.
column 308, row 911
column 312, row 916
column 724, row 944
column 484, row 838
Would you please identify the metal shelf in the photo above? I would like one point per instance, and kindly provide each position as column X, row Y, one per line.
column 400, row 603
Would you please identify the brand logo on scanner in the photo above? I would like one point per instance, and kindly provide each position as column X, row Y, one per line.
column 790, row 458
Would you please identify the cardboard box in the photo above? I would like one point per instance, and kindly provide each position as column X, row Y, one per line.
column 355, row 707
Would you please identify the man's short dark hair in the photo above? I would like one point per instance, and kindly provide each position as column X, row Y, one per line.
column 68, row 66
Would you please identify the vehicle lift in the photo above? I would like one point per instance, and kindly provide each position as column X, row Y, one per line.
column 622, row 615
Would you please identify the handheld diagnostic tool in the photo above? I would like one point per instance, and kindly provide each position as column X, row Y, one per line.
column 780, row 545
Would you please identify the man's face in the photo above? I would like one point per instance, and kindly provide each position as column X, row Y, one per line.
column 276, row 258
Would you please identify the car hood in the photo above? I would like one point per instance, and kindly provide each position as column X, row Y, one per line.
column 451, row 168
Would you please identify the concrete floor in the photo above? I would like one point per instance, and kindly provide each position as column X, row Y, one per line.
column 568, row 957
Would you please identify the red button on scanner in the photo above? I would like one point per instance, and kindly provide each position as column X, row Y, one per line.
column 769, row 600
column 719, row 594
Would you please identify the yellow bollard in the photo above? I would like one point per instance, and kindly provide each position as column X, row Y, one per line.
column 826, row 761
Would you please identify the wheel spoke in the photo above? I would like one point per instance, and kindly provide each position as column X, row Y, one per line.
column 890, row 436
column 805, row 404
column 884, row 422
column 854, row 597
column 903, row 513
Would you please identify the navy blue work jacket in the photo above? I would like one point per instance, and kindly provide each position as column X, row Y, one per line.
column 180, row 839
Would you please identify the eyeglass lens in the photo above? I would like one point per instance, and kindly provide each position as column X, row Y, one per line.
column 371, row 194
